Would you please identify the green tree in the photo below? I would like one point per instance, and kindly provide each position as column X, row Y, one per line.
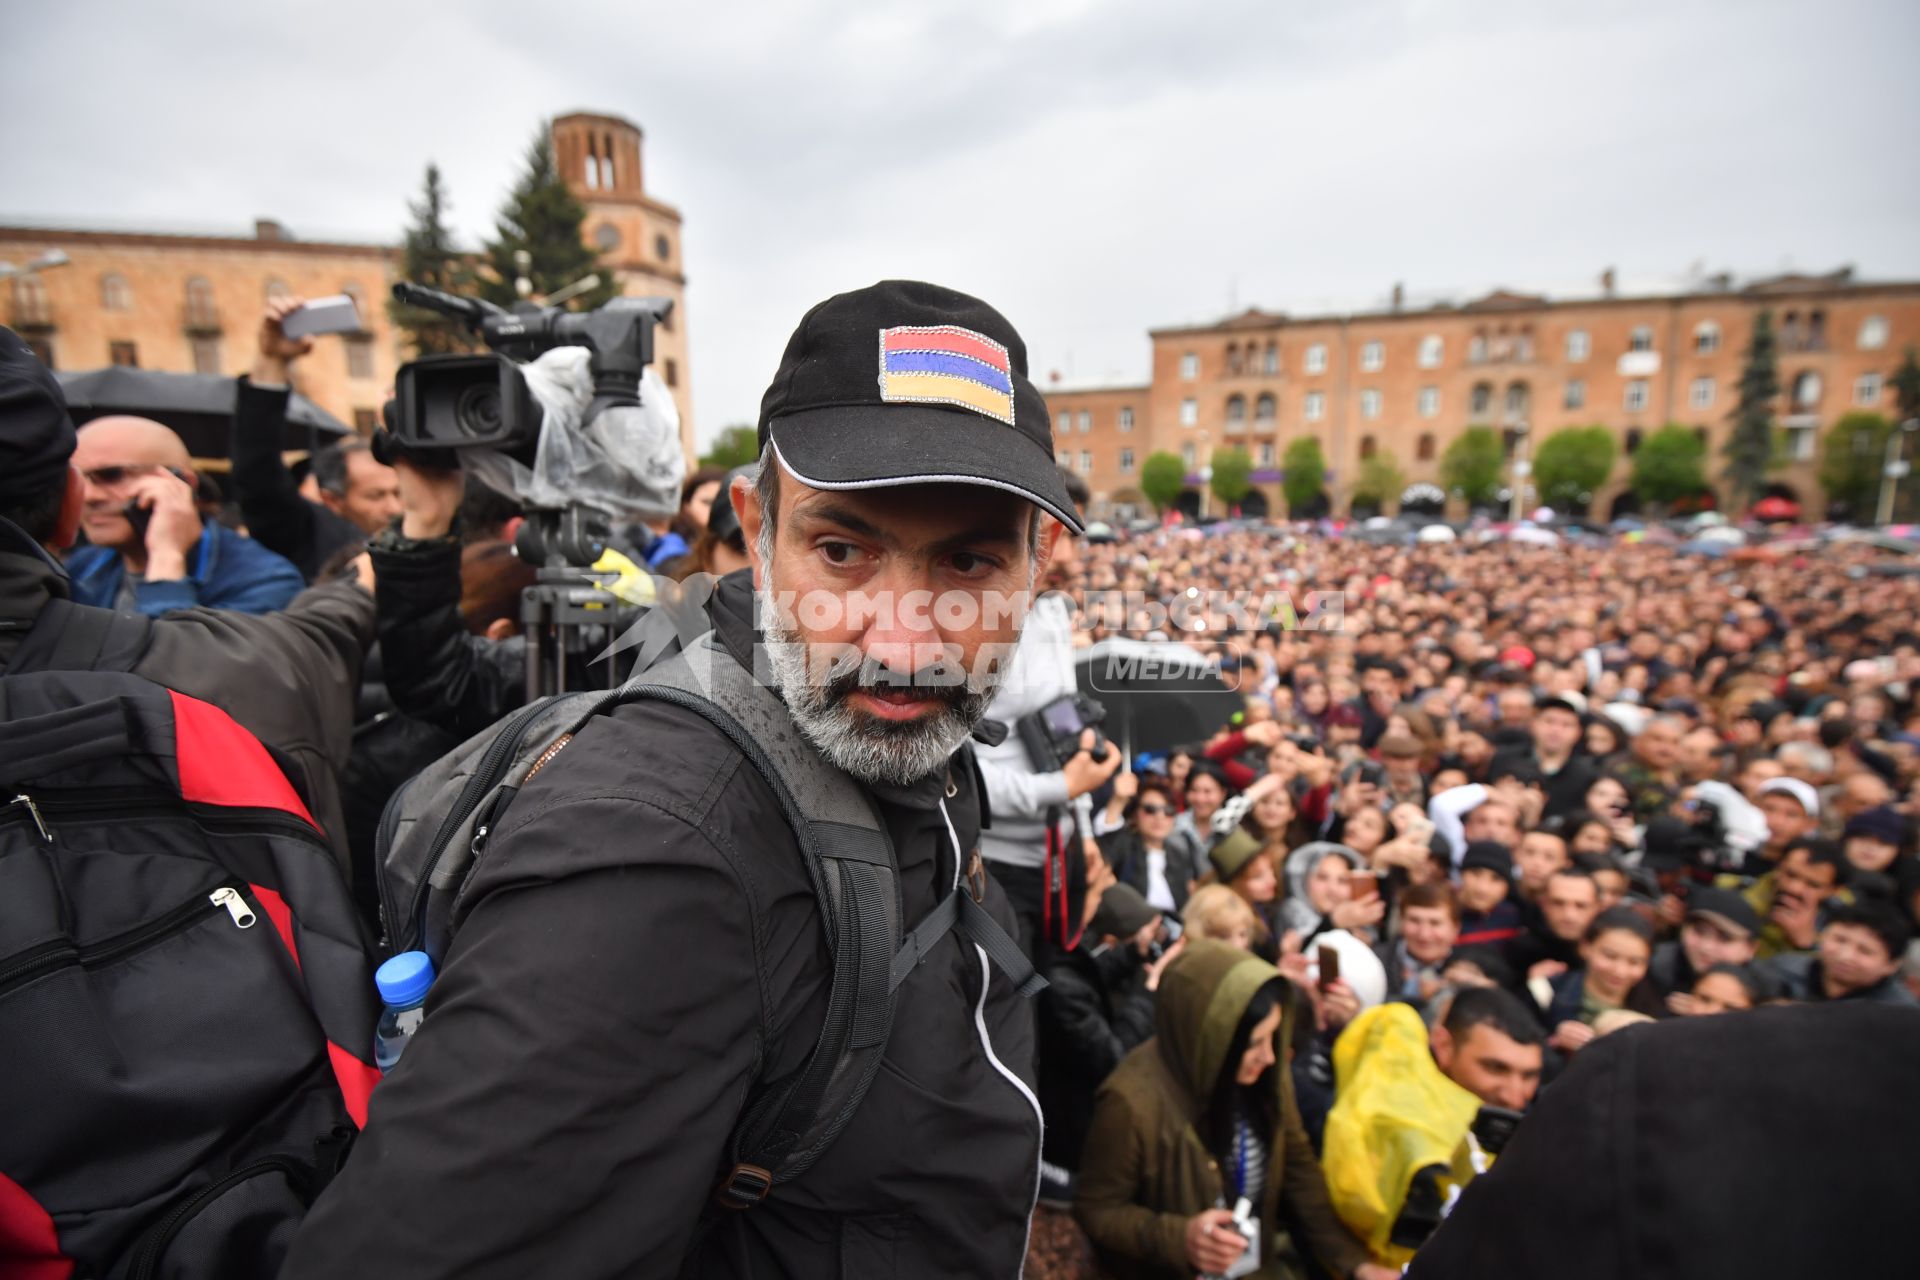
column 1906, row 398
column 1571, row 465
column 1231, row 479
column 735, row 446
column 1303, row 476
column 1669, row 465
column 1850, row 464
column 542, row 217
column 1162, row 477
column 429, row 258
column 1379, row 481
column 1750, row 448
column 1472, row 466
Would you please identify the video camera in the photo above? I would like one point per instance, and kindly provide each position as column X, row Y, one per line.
column 483, row 401
column 572, row 472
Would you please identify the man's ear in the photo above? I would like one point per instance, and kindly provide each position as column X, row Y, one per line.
column 1440, row 1040
column 66, row 526
column 746, row 505
column 1050, row 535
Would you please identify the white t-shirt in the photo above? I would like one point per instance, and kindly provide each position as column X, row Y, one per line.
column 1159, row 892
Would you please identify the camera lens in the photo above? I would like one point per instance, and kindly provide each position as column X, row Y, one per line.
column 478, row 410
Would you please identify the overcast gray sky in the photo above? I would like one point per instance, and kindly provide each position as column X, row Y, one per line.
column 1092, row 169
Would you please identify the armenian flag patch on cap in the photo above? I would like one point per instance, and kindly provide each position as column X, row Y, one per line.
column 945, row 364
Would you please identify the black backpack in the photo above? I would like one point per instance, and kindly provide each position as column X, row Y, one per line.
column 436, row 827
column 186, row 991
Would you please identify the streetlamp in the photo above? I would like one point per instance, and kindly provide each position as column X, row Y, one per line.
column 51, row 258
column 1522, row 468
column 1895, row 469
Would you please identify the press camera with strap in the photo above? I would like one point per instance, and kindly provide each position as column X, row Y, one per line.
column 436, row 828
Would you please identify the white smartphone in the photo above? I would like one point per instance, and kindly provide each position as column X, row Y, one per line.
column 333, row 314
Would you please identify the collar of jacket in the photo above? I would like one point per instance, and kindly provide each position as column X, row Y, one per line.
column 731, row 609
column 29, row 577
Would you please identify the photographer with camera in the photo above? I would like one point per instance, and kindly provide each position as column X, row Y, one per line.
column 1040, row 776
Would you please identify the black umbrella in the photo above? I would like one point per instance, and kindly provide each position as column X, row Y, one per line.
column 198, row 406
column 1158, row 695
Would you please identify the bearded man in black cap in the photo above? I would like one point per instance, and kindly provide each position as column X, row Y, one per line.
column 289, row 678
column 642, row 946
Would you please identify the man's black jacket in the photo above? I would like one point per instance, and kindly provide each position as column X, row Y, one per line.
column 1095, row 1011
column 641, row 918
column 277, row 517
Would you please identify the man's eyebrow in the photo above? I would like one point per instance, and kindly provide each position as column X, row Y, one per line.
column 981, row 537
column 848, row 519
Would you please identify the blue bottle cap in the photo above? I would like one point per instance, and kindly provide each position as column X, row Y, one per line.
column 404, row 979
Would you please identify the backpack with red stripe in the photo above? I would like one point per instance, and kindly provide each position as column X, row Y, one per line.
column 186, row 991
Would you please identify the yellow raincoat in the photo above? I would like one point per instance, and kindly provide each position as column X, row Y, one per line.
column 1394, row 1113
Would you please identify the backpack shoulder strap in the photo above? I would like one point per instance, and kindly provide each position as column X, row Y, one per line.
column 849, row 858
column 77, row 637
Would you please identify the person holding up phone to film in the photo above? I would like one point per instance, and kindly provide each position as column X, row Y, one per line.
column 149, row 551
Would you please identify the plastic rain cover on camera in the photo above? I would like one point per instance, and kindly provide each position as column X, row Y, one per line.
column 626, row 463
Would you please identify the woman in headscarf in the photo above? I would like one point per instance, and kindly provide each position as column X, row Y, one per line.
column 1199, row 1118
column 1320, row 892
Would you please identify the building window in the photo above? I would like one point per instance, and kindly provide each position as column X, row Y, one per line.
column 1480, row 400
column 1233, row 357
column 206, row 355
column 1636, row 395
column 1189, row 412
column 1373, row 357
column 1266, row 408
column 1700, row 394
column 1424, row 449
column 1366, row 446
column 1706, row 338
column 1086, row 462
column 1369, row 403
column 1266, row 454
column 1518, row 398
column 1642, row 338
column 1126, row 461
column 1063, row 424
column 1270, row 360
column 1817, row 331
column 1477, row 349
column 1317, row 358
column 1316, row 405
column 1579, row 345
column 123, row 355
column 1186, row 455
column 1126, row 417
column 115, row 293
column 1086, row 421
column 1806, row 392
column 662, row 248
column 1189, row 367
column 365, row 420
column 1523, row 345
column 277, row 288
column 1866, row 390
column 359, row 357
column 1800, row 443
column 1576, row 394
column 1429, row 402
column 607, row 237
column 1236, row 410
column 671, row 374
column 1634, row 436
column 1873, row 333
column 1431, row 351
column 201, row 313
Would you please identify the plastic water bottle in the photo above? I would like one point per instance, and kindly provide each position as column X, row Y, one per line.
column 403, row 982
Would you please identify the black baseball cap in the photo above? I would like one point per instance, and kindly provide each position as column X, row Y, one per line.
column 1724, row 908
column 36, row 432
column 911, row 383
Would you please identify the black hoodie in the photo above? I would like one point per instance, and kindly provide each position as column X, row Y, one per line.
column 643, row 912
column 1776, row 1142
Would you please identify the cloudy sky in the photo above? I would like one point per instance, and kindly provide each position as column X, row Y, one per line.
column 1094, row 169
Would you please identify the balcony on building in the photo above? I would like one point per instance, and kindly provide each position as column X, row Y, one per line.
column 32, row 310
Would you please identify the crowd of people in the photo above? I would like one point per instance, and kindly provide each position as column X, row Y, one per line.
column 1306, row 975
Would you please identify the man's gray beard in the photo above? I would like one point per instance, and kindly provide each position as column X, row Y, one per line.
column 888, row 752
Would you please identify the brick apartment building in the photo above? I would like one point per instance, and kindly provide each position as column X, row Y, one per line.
column 1406, row 382
column 191, row 303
